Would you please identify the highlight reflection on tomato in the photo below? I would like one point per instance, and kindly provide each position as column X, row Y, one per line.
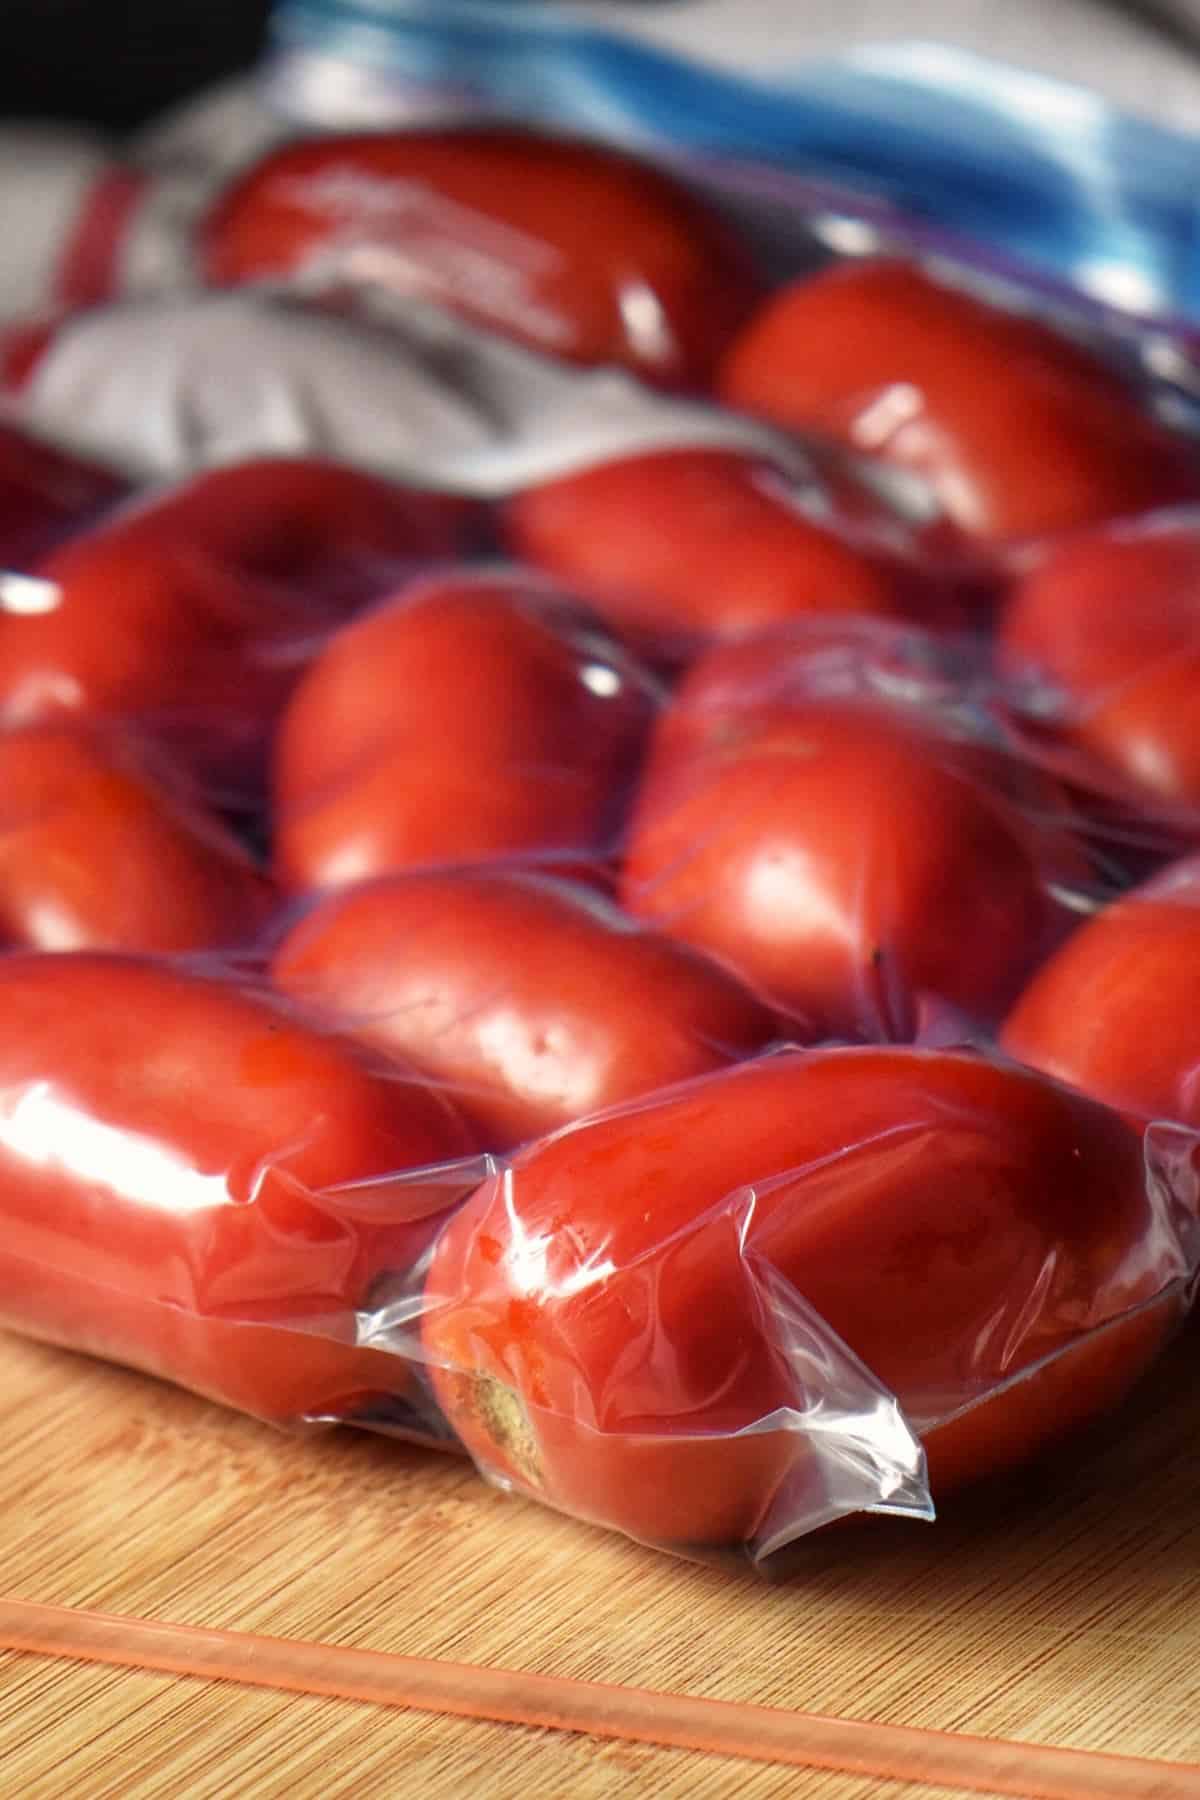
column 177, row 1168
column 533, row 1000
column 608, row 1321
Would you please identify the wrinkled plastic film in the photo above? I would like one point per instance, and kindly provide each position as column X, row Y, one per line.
column 673, row 1378
column 484, row 1122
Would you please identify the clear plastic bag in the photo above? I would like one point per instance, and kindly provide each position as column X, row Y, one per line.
column 693, row 1318
column 531, row 998
column 820, row 1283
column 764, row 1293
column 503, row 284
column 496, row 1134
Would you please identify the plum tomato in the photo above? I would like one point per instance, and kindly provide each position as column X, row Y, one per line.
column 850, row 860
column 608, row 1322
column 531, row 999
column 702, row 543
column 198, row 1184
column 1017, row 430
column 474, row 715
column 575, row 250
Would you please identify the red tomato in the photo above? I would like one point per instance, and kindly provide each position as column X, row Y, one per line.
column 533, row 999
column 577, row 251
column 698, row 542
column 1114, row 1011
column 307, row 522
column 45, row 494
column 101, row 849
column 1112, row 621
column 472, row 716
column 608, row 1322
column 851, row 863
column 1016, row 430
column 193, row 613
column 177, row 1169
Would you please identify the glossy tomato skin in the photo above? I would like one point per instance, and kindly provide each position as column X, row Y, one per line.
column 1017, row 431
column 851, row 863
column 472, row 716
column 174, row 1154
column 1110, row 621
column 699, row 543
column 103, row 848
column 531, row 999
column 192, row 613
column 1114, row 1011
column 578, row 252
column 608, row 1321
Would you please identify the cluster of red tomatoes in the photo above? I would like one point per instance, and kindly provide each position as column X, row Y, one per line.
column 733, row 863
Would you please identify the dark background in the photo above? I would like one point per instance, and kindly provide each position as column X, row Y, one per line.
column 117, row 62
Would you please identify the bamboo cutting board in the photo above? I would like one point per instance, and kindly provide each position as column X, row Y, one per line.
column 1065, row 1610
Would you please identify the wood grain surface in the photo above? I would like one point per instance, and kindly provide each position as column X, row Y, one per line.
column 1065, row 1609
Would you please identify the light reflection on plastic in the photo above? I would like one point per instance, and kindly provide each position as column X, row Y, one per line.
column 1162, row 356
column 783, row 891
column 28, row 594
column 598, row 679
column 851, row 237
column 54, row 927
column 507, row 1042
column 47, row 1131
column 1022, row 93
column 897, row 406
column 643, row 318
column 1119, row 284
column 527, row 1257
